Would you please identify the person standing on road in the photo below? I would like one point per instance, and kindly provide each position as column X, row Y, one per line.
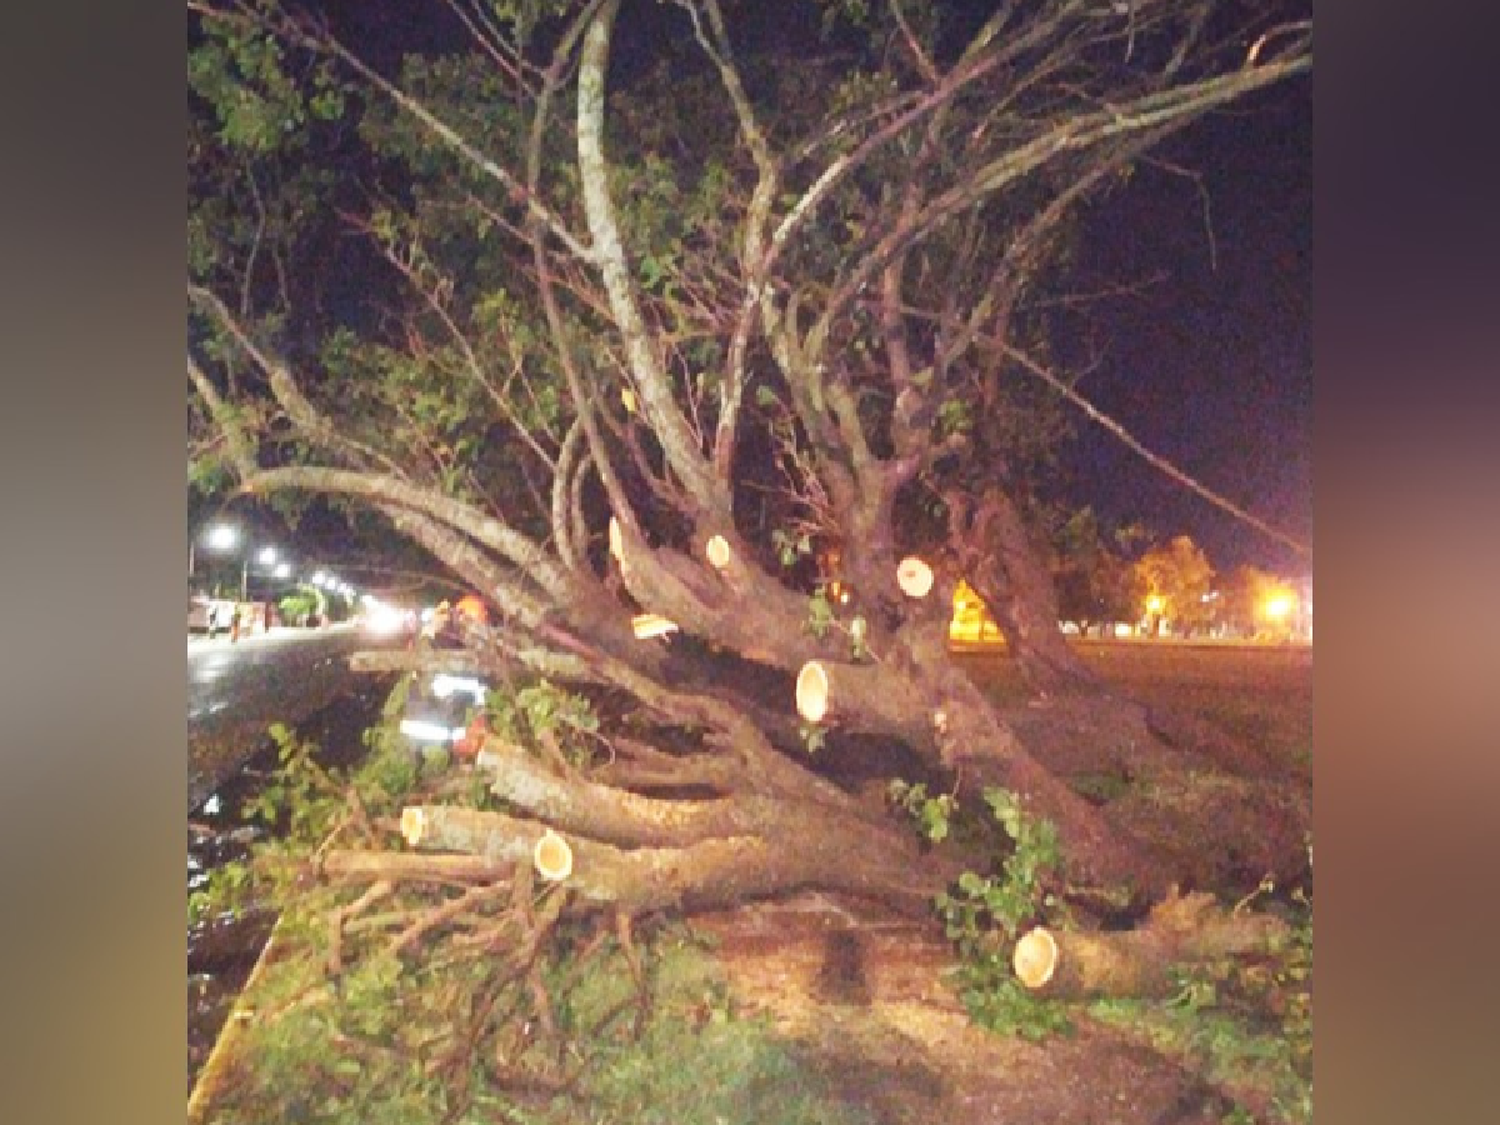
column 234, row 625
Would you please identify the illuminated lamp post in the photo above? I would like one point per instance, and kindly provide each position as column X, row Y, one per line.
column 266, row 556
column 1154, row 605
column 1278, row 608
column 220, row 538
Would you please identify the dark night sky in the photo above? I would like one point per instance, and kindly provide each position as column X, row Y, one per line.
column 1210, row 365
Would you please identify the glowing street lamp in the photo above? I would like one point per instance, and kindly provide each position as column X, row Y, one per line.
column 1155, row 603
column 1278, row 606
column 223, row 537
column 220, row 537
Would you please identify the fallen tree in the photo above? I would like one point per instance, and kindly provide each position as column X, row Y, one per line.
column 653, row 357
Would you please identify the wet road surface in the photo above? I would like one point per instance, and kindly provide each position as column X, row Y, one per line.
column 236, row 690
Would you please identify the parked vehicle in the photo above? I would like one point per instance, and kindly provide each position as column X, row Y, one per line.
column 209, row 616
column 198, row 613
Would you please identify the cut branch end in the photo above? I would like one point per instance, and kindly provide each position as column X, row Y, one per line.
column 647, row 625
column 413, row 824
column 1035, row 958
column 813, row 691
column 914, row 577
column 718, row 551
column 552, row 857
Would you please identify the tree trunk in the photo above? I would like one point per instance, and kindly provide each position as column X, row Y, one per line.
column 1006, row 569
column 1171, row 819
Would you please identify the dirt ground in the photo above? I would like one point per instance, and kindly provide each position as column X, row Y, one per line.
column 865, row 997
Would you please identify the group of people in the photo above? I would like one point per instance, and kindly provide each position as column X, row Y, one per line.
column 221, row 618
column 446, row 628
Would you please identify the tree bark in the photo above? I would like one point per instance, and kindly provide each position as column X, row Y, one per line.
column 1005, row 568
column 711, row 872
column 1143, row 962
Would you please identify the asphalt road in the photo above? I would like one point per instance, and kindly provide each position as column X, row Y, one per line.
column 236, row 690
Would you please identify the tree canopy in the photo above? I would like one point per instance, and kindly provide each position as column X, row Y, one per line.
column 611, row 339
column 1178, row 579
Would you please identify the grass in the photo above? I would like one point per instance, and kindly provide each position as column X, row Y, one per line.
column 695, row 1062
column 698, row 1062
column 1257, row 1064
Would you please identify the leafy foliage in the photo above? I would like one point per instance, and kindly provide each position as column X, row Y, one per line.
column 545, row 711
column 820, row 612
column 302, row 797
column 302, row 603
column 789, row 548
column 1181, row 576
column 814, row 737
column 1094, row 577
column 983, row 914
column 227, row 891
column 354, row 1024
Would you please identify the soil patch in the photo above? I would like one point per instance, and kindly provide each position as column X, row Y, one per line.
column 866, row 999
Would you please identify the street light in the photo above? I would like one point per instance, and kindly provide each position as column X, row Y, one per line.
column 221, row 537
column 1155, row 603
column 1278, row 606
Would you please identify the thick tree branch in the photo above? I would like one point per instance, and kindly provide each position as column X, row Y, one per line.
column 241, row 448
column 576, row 805
column 313, row 424
column 710, row 872
column 510, row 544
column 510, row 588
column 652, row 386
column 567, row 510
